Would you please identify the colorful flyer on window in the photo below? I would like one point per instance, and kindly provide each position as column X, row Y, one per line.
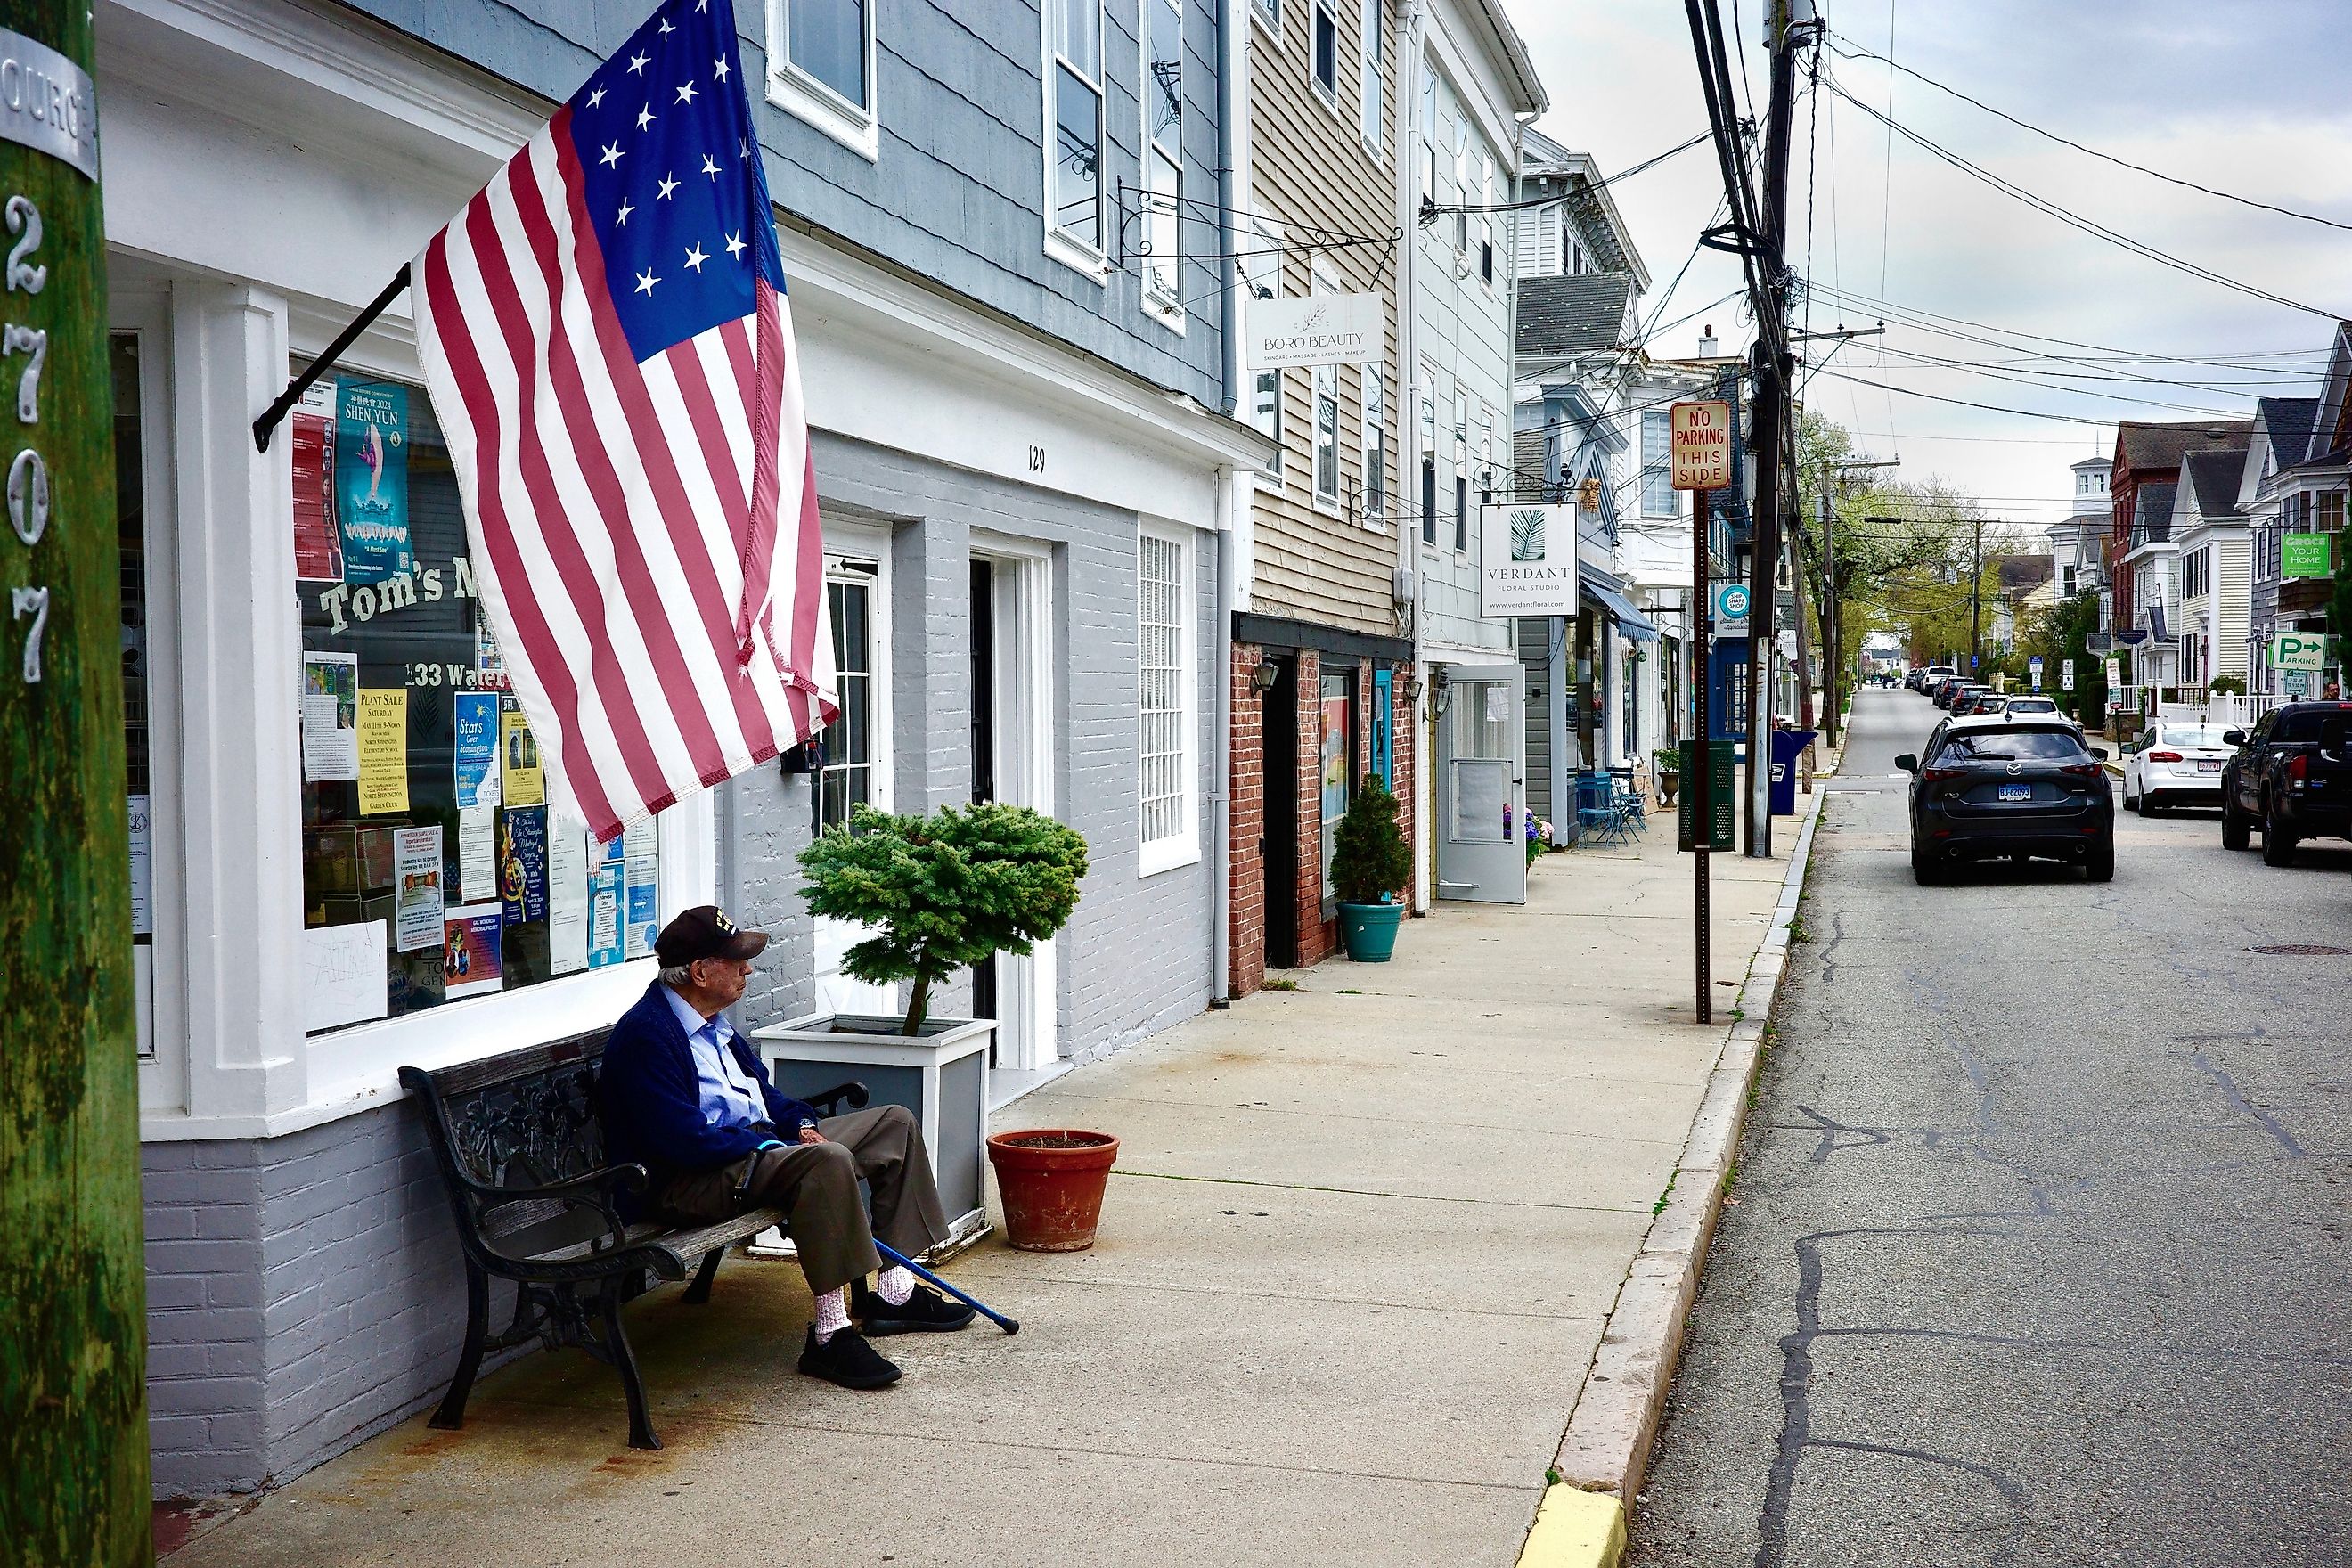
column 416, row 884
column 477, row 748
column 605, row 909
column 522, row 863
column 384, row 751
column 469, row 951
column 370, row 479
column 318, row 547
column 330, row 735
column 519, row 759
column 477, row 853
column 567, row 899
column 641, row 865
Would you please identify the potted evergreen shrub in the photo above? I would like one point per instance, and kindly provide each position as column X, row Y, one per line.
column 936, row 894
column 1370, row 863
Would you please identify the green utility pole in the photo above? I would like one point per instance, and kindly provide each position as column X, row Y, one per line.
column 73, row 1398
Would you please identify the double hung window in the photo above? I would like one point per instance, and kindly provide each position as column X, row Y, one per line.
column 1428, row 397
column 1166, row 832
column 1658, row 463
column 1428, row 134
column 1162, row 94
column 1326, row 412
column 1326, row 50
column 1075, row 102
column 1459, row 130
column 1486, row 218
column 820, row 55
column 1368, row 86
column 1261, row 264
column 1376, row 444
column 1461, row 472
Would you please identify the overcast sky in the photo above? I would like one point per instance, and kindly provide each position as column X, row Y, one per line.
column 2246, row 97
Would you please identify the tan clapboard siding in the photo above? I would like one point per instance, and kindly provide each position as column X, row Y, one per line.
column 1308, row 166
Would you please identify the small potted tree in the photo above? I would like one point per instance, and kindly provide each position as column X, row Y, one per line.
column 1370, row 863
column 1666, row 767
column 937, row 894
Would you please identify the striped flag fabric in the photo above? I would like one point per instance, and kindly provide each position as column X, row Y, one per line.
column 609, row 348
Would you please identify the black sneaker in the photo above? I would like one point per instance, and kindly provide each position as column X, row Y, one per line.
column 922, row 1312
column 846, row 1359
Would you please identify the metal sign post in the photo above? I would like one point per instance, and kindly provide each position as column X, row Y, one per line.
column 72, row 1262
column 1701, row 446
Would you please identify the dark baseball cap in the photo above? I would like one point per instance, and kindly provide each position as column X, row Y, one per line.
column 705, row 932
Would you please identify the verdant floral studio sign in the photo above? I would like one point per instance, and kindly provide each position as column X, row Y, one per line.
column 1526, row 561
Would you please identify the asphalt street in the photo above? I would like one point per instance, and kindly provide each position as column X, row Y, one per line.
column 2038, row 1254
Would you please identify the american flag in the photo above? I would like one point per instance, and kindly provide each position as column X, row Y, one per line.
column 609, row 349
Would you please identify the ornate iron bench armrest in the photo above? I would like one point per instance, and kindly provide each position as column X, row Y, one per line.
column 594, row 1190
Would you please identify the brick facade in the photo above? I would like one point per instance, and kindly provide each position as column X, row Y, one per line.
column 1253, row 880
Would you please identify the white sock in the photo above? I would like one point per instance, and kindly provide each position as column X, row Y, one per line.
column 832, row 1313
column 895, row 1285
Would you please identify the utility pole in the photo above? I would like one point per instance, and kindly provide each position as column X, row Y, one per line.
column 1833, row 583
column 72, row 1260
column 1976, row 602
column 1773, row 362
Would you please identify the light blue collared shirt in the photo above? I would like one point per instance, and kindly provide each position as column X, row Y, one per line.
column 730, row 1097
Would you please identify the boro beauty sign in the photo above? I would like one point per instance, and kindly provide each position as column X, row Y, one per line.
column 1702, row 445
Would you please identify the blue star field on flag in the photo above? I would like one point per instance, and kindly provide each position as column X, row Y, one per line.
column 671, row 171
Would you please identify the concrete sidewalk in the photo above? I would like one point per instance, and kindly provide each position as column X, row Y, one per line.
column 1355, row 1263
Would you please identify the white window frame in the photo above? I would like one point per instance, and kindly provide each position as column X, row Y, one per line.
column 1071, row 250
column 1165, row 305
column 1428, row 139
column 1375, row 447
column 1267, row 14
column 1325, row 389
column 814, row 103
column 1461, row 151
column 249, row 1069
column 1371, row 39
column 1657, row 419
column 1263, row 269
column 1319, row 14
column 1489, row 269
column 1182, row 847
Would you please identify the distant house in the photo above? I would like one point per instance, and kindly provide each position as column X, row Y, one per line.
column 2267, row 482
column 2148, row 584
column 2295, row 483
column 2078, row 562
column 2023, row 589
column 2211, row 542
column 2148, row 454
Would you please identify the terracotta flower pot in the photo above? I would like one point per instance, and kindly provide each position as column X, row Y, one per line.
column 1051, row 1181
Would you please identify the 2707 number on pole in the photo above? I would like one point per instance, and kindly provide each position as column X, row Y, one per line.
column 1702, row 445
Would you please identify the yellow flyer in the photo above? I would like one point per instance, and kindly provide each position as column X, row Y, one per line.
column 384, row 751
column 525, row 784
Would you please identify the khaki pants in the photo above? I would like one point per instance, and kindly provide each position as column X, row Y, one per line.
column 816, row 1185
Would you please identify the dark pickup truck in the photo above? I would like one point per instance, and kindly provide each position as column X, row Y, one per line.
column 2292, row 779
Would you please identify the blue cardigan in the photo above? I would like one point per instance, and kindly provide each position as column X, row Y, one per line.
column 650, row 1096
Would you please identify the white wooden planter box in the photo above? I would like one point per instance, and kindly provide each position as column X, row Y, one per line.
column 941, row 1075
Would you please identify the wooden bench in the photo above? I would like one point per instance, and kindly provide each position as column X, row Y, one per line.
column 521, row 1153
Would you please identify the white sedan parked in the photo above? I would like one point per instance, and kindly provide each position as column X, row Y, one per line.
column 2175, row 763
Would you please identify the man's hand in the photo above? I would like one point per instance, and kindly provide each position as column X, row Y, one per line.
column 811, row 1135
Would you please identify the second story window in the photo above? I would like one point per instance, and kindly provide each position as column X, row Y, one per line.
column 1268, row 12
column 1162, row 93
column 1486, row 218
column 1261, row 266
column 1326, row 412
column 1074, row 100
column 1658, row 463
column 821, row 69
column 1428, row 456
column 1460, row 131
column 1368, row 87
column 1376, row 444
column 1326, row 59
column 1428, row 135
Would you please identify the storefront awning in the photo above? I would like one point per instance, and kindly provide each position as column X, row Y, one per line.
column 1629, row 621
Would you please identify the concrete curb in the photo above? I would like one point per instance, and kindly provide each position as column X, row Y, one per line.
column 1606, row 1448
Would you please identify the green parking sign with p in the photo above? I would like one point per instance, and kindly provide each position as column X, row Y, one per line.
column 2299, row 650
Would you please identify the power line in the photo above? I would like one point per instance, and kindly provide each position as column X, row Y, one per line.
column 1903, row 312
column 1430, row 209
column 1964, row 402
column 1854, row 49
column 2023, row 379
column 2074, row 220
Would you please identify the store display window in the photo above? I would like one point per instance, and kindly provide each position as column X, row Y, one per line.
column 433, row 869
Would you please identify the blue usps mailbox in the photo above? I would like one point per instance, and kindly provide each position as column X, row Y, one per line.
column 1787, row 745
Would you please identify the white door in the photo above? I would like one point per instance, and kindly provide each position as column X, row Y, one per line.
column 856, row 769
column 1482, row 805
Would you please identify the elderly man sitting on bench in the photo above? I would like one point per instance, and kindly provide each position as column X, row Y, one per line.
column 683, row 1096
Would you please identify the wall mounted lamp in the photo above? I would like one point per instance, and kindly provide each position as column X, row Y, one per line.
column 1267, row 673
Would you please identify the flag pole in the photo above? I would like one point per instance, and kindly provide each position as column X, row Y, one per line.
column 273, row 416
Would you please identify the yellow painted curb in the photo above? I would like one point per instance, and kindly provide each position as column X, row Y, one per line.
column 1575, row 1530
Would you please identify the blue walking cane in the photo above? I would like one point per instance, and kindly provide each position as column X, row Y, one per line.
column 892, row 1255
